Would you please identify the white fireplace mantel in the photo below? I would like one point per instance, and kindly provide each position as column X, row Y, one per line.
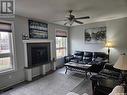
column 36, row 41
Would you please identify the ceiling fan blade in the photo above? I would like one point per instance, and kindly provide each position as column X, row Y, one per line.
column 79, row 22
column 86, row 17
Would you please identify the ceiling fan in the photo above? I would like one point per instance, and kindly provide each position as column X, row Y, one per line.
column 71, row 18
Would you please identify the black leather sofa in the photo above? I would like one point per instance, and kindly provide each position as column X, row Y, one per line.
column 105, row 80
column 96, row 59
column 85, row 57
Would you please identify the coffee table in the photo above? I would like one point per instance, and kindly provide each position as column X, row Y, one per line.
column 79, row 67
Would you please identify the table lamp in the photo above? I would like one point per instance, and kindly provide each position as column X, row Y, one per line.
column 122, row 65
column 108, row 45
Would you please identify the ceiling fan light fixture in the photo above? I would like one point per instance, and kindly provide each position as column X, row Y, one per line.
column 70, row 19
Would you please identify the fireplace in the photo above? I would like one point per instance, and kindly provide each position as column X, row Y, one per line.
column 38, row 54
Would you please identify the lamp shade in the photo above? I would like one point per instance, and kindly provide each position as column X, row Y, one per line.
column 121, row 62
column 109, row 44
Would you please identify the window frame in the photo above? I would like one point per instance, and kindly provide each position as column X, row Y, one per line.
column 12, row 50
column 66, row 43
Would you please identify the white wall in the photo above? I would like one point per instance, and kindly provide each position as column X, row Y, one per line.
column 116, row 32
column 21, row 26
column 8, row 79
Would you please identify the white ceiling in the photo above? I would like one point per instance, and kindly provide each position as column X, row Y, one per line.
column 52, row 10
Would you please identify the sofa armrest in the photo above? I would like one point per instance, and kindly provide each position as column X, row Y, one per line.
column 103, row 85
column 68, row 58
column 110, row 72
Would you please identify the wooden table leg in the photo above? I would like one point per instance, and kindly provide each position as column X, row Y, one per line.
column 66, row 69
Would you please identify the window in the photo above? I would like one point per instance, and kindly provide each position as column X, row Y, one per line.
column 61, row 43
column 6, row 54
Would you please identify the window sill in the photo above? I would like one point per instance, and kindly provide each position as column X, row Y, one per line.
column 7, row 71
column 60, row 58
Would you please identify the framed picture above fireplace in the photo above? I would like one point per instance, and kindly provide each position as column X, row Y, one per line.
column 38, row 30
column 95, row 35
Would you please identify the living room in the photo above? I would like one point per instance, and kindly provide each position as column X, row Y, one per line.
column 54, row 16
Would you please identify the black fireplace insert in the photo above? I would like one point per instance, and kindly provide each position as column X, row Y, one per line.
column 38, row 54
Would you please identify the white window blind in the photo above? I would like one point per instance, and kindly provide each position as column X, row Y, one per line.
column 61, row 33
column 6, row 47
column 5, row 27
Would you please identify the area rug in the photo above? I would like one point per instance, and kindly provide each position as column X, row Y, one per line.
column 73, row 93
column 84, row 87
column 53, row 84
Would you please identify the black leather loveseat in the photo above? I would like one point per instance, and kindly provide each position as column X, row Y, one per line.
column 105, row 80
